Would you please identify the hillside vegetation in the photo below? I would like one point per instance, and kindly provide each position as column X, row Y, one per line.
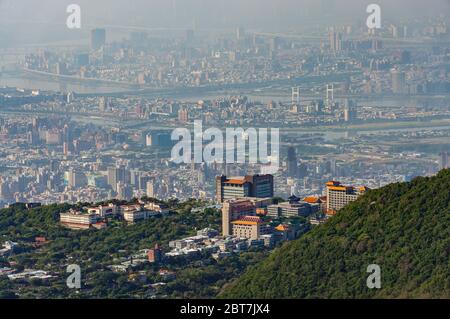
column 403, row 228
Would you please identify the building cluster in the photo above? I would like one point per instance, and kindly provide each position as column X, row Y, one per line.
column 124, row 264
column 255, row 218
column 9, row 248
column 247, row 186
column 61, row 158
column 209, row 242
column 247, row 222
column 49, row 160
column 196, row 60
column 98, row 216
column 29, row 274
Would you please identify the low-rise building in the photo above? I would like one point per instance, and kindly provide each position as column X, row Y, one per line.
column 160, row 208
column 269, row 240
column 293, row 208
column 318, row 200
column 285, row 232
column 104, row 210
column 233, row 210
column 79, row 220
column 135, row 213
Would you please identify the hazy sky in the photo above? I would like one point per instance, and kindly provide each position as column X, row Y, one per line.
column 28, row 20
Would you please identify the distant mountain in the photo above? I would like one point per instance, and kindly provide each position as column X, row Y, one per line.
column 403, row 228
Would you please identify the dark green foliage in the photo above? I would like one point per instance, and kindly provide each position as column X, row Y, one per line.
column 404, row 228
column 93, row 250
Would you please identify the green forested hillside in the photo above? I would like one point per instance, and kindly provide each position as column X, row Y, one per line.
column 94, row 250
column 404, row 228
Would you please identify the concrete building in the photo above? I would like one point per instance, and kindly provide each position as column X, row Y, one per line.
column 183, row 116
column 339, row 195
column 292, row 209
column 98, row 38
column 398, row 82
column 259, row 186
column 233, row 210
column 124, row 191
column 116, row 175
column 335, row 40
column 79, row 220
column 135, row 213
column 104, row 210
column 247, row 227
column 444, row 161
column 292, row 166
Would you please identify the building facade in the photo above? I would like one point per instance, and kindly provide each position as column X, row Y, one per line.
column 259, row 186
column 233, row 210
column 78, row 220
column 339, row 195
column 247, row 227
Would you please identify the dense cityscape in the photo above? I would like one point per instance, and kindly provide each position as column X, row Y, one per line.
column 87, row 139
column 69, row 153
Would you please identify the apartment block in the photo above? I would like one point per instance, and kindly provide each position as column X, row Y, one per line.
column 79, row 220
column 247, row 227
column 339, row 195
column 259, row 186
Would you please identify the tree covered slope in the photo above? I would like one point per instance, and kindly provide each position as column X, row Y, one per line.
column 403, row 228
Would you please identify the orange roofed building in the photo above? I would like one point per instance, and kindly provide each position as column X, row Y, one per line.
column 259, row 186
column 338, row 196
column 247, row 227
column 321, row 200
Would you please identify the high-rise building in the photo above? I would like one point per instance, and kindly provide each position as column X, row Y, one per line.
column 103, row 104
column 233, row 210
column 350, row 111
column 4, row 190
column 150, row 191
column 115, row 175
column 444, row 160
column 155, row 255
column 65, row 148
column 183, row 115
column 82, row 59
column 240, row 33
column 398, row 81
column 98, row 38
column 292, row 168
column 76, row 179
column 333, row 166
column 161, row 139
column 335, row 39
column 124, row 191
column 405, row 57
column 190, row 36
column 259, row 186
column 302, row 170
column 69, row 97
column 339, row 195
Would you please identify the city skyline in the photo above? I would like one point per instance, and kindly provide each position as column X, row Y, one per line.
column 205, row 149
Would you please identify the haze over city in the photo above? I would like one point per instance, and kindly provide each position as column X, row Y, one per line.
column 200, row 149
column 29, row 21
